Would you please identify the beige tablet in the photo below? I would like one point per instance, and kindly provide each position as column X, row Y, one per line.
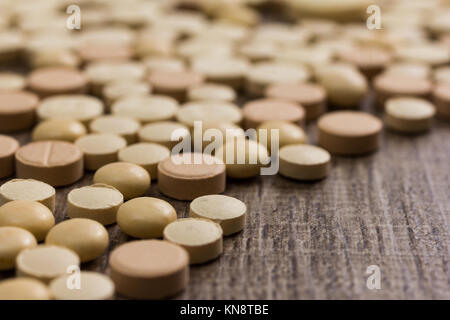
column 409, row 115
column 28, row 189
column 29, row 215
column 12, row 241
column 227, row 211
column 98, row 202
column 201, row 238
column 58, row 129
column 304, row 162
column 76, row 107
column 209, row 111
column 86, row 237
column 147, row 155
column 23, row 289
column 126, row 127
column 146, row 108
column 166, row 133
column 130, row 179
column 145, row 217
column 100, row 149
column 92, row 286
column 46, row 262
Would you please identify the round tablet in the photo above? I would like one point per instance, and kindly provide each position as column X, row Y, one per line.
column 8, row 147
column 209, row 111
column 57, row 163
column 93, row 286
column 105, row 51
column 164, row 64
column 442, row 75
column 211, row 130
column 426, row 53
column 11, row 81
column 174, row 83
column 149, row 269
column 17, row 110
column 161, row 132
column 201, row 238
column 409, row 69
column 264, row 74
column 58, row 129
column 190, row 175
column 243, row 158
column 349, row 132
column 409, row 115
column 369, row 60
column 257, row 111
column 346, row 87
column 23, row 289
column 212, row 91
column 228, row 71
column 100, row 149
column 46, row 262
column 115, row 90
column 28, row 189
column 76, row 107
column 147, row 155
column 288, row 133
column 388, row 85
column 50, row 81
column 146, row 108
column 304, row 162
column 125, row 127
column 227, row 211
column 130, row 179
column 102, row 72
column 88, row 238
column 441, row 97
column 29, row 215
column 145, row 217
column 12, row 241
column 311, row 97
column 98, row 202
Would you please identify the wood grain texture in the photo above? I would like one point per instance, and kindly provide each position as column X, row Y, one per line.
column 315, row 240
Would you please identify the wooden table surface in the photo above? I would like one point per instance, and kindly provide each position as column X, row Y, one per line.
column 316, row 240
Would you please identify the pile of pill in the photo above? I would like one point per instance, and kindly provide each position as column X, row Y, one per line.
column 117, row 96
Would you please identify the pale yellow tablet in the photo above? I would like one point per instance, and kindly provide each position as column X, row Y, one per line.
column 243, row 158
column 209, row 111
column 28, row 189
column 130, row 179
column 145, row 217
column 164, row 63
column 125, row 127
column 58, row 129
column 46, row 262
column 229, row 71
column 287, row 132
column 166, row 133
column 98, row 202
column 408, row 114
column 12, row 241
column 88, row 238
column 23, row 289
column 227, row 211
column 89, row 286
column 102, row 72
column 263, row 74
column 146, row 108
column 145, row 154
column 29, row 215
column 100, row 149
column 304, row 162
column 117, row 89
column 212, row 91
column 11, row 81
column 76, row 107
column 201, row 238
